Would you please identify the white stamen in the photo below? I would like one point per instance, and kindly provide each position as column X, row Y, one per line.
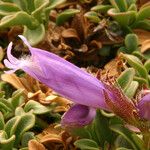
column 27, row 61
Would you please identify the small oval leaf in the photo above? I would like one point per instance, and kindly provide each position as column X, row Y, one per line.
column 65, row 15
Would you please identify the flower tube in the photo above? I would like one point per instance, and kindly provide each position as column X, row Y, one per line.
column 63, row 77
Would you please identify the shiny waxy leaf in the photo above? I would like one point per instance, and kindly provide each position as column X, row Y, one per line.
column 86, row 144
column 36, row 35
column 65, row 15
column 36, row 107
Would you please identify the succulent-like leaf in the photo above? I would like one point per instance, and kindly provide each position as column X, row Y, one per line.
column 86, row 144
column 137, row 65
column 131, row 43
column 126, row 78
column 17, row 98
column 21, row 4
column 123, row 18
column 2, row 123
column 147, row 65
column 26, row 122
column 36, row 35
column 19, row 111
column 130, row 2
column 92, row 16
column 101, row 8
column 39, row 9
column 144, row 13
column 8, row 9
column 132, row 7
column 132, row 88
column 19, row 125
column 65, row 15
column 128, row 135
column 119, row 5
column 6, row 143
column 36, row 107
column 140, row 80
column 143, row 24
column 101, row 128
column 26, row 137
column 54, row 3
column 19, row 18
column 11, row 125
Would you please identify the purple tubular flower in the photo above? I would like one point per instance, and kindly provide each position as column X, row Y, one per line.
column 63, row 77
column 144, row 107
column 78, row 115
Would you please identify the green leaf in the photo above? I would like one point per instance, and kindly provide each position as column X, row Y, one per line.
column 2, row 123
column 131, row 43
column 8, row 9
column 36, row 35
column 130, row 91
column 119, row 5
column 140, row 80
column 101, row 128
column 19, row 111
column 19, row 18
column 137, row 65
column 6, row 143
column 127, row 134
column 86, row 144
column 130, row 2
column 26, row 137
column 122, row 148
column 143, row 24
column 19, row 125
column 81, row 132
column 101, row 8
column 123, row 18
column 132, row 7
column 143, row 13
column 38, row 13
column 65, row 15
column 55, row 3
column 92, row 16
column 126, row 78
column 147, row 65
column 17, row 98
column 36, row 107
column 22, row 4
